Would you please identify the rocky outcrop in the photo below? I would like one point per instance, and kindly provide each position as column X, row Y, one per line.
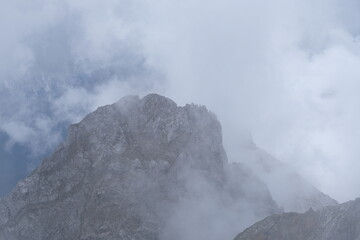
column 138, row 169
column 340, row 222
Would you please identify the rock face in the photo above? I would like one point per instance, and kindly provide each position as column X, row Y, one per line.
column 340, row 222
column 290, row 190
column 138, row 169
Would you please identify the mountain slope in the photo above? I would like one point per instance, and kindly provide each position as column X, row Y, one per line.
column 138, row 169
column 340, row 222
column 290, row 190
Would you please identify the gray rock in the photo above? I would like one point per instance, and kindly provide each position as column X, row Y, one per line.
column 340, row 222
column 138, row 169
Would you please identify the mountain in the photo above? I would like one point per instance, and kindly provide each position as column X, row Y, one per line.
column 341, row 222
column 290, row 190
column 142, row 168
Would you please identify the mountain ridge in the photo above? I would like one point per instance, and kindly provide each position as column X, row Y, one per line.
column 330, row 223
column 299, row 196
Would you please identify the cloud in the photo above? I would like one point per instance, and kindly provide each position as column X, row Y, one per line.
column 62, row 59
column 285, row 71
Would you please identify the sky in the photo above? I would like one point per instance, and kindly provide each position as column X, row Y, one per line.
column 285, row 72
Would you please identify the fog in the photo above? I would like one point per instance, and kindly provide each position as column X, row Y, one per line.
column 284, row 72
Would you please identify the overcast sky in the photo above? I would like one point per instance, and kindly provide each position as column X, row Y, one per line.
column 288, row 72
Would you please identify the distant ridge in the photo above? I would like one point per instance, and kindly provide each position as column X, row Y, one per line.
column 341, row 222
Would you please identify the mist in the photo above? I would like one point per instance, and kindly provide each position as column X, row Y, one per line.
column 281, row 74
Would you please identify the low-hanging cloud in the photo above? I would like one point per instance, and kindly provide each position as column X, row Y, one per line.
column 286, row 71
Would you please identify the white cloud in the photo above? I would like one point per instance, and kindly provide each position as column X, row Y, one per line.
column 285, row 70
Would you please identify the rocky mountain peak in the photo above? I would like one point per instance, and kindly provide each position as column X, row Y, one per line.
column 142, row 168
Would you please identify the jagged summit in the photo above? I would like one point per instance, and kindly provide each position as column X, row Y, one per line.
column 142, row 168
column 154, row 103
column 153, row 128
